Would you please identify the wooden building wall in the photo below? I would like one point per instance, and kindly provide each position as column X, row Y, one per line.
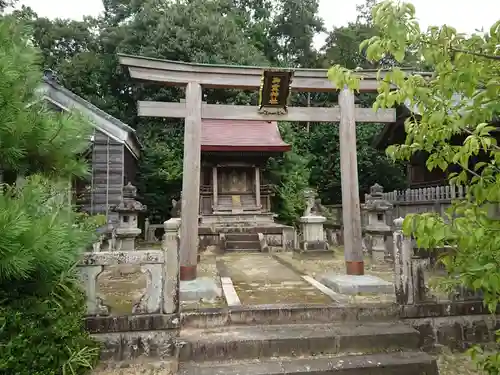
column 107, row 176
column 111, row 166
column 131, row 167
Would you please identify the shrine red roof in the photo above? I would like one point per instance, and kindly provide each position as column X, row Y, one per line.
column 242, row 135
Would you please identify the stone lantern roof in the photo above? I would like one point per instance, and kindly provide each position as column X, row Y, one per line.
column 129, row 204
column 375, row 200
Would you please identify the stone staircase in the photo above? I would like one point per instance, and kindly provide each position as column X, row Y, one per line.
column 242, row 242
column 347, row 348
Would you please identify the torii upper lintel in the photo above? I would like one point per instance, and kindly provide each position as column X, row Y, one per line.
column 177, row 73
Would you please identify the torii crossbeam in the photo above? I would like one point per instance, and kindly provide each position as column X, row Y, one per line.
column 197, row 76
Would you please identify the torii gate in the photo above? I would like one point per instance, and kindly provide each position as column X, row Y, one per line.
column 195, row 76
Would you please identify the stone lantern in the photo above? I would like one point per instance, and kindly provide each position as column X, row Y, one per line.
column 313, row 236
column 377, row 208
column 128, row 212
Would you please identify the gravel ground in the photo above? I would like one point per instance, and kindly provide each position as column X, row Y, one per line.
column 456, row 364
column 138, row 367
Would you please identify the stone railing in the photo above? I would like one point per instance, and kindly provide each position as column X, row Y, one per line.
column 410, row 266
column 159, row 266
column 150, row 231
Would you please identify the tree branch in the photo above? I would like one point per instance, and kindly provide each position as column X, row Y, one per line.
column 479, row 54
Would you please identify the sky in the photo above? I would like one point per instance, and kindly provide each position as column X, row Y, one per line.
column 467, row 17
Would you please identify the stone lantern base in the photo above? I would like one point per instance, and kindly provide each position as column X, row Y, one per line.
column 378, row 242
column 125, row 238
column 313, row 235
column 378, row 251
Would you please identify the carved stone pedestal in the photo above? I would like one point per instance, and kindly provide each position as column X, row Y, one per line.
column 313, row 237
column 126, row 238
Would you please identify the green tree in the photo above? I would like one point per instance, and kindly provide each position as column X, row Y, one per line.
column 295, row 26
column 459, row 99
column 33, row 138
column 87, row 64
column 282, row 30
column 261, row 33
column 290, row 174
column 161, row 166
column 342, row 43
column 41, row 302
column 373, row 165
column 256, row 18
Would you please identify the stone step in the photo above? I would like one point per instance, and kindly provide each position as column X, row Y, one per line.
column 249, row 229
column 397, row 363
column 242, row 237
column 290, row 314
column 244, row 342
column 242, row 245
column 242, row 242
column 227, row 204
column 244, row 250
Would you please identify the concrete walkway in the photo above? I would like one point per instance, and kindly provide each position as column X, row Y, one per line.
column 260, row 279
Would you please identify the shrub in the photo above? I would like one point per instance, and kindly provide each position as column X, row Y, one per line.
column 41, row 237
column 41, row 302
column 44, row 335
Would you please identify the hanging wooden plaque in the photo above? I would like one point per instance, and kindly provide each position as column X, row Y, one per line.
column 275, row 91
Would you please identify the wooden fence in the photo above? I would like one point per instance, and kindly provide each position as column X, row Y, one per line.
column 409, row 201
column 432, row 199
column 437, row 193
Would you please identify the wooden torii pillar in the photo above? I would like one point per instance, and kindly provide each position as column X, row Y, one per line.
column 197, row 76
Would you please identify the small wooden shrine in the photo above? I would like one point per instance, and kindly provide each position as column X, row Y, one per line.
column 233, row 156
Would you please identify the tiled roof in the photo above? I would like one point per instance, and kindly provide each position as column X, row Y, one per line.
column 241, row 135
column 67, row 100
